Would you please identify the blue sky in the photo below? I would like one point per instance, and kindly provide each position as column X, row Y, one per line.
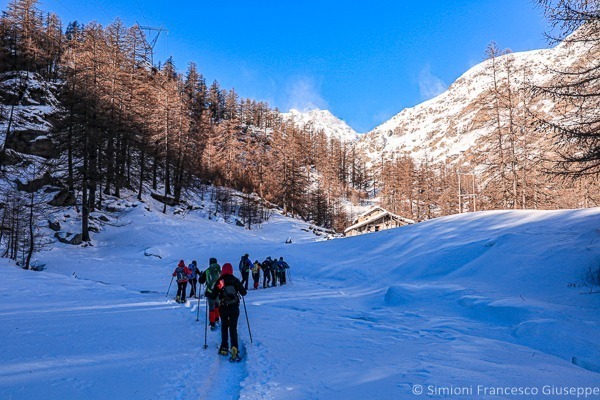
column 364, row 61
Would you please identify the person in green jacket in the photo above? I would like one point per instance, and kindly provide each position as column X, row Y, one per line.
column 209, row 277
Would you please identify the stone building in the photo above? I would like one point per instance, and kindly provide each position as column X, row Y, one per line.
column 374, row 220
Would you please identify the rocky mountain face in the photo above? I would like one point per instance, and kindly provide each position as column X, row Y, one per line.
column 28, row 108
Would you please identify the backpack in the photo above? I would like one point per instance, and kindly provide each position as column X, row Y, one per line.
column 181, row 275
column 212, row 275
column 245, row 265
column 230, row 295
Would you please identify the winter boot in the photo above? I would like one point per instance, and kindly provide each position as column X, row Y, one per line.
column 223, row 351
column 213, row 326
column 178, row 299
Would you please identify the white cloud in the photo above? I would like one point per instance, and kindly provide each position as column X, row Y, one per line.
column 430, row 85
column 303, row 93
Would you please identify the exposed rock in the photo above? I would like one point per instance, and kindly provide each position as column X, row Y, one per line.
column 31, row 142
column 37, row 184
column 10, row 157
column 63, row 198
column 54, row 225
column 69, row 238
column 165, row 199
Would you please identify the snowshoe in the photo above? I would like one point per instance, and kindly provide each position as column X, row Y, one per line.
column 223, row 351
column 235, row 355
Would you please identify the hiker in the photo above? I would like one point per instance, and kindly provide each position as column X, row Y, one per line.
column 209, row 277
column 282, row 267
column 266, row 267
column 256, row 273
column 274, row 270
column 227, row 290
column 245, row 266
column 193, row 278
column 181, row 273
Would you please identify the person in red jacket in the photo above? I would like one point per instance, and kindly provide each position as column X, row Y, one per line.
column 181, row 273
column 227, row 289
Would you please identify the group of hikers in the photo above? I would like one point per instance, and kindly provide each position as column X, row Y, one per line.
column 223, row 291
column 273, row 271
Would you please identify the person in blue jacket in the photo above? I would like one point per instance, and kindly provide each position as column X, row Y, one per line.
column 193, row 278
column 245, row 266
column 282, row 267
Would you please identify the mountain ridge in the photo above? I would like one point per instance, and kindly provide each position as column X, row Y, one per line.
column 448, row 125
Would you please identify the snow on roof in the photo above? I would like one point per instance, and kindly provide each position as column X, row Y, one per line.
column 376, row 217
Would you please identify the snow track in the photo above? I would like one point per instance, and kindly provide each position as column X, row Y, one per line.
column 204, row 374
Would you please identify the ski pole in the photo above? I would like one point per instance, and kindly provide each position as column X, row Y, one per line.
column 169, row 286
column 247, row 320
column 205, row 322
column 198, row 308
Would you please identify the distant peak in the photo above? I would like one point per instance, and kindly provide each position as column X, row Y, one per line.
column 323, row 120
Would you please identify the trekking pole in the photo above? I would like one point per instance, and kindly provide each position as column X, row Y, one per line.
column 169, row 286
column 198, row 308
column 247, row 320
column 205, row 322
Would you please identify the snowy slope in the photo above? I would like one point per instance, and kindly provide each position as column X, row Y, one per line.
column 325, row 121
column 495, row 299
column 450, row 124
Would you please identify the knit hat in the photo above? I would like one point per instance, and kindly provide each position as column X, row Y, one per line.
column 181, row 264
column 212, row 260
column 227, row 269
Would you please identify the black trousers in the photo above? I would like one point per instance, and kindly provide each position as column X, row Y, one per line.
column 181, row 290
column 273, row 277
column 193, row 282
column 245, row 276
column 282, row 277
column 266, row 277
column 229, row 320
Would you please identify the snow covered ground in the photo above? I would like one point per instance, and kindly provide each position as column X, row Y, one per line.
column 493, row 305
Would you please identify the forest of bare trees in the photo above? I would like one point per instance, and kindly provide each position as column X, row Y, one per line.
column 126, row 124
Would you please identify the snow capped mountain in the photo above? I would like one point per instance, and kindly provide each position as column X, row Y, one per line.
column 323, row 120
column 454, row 122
